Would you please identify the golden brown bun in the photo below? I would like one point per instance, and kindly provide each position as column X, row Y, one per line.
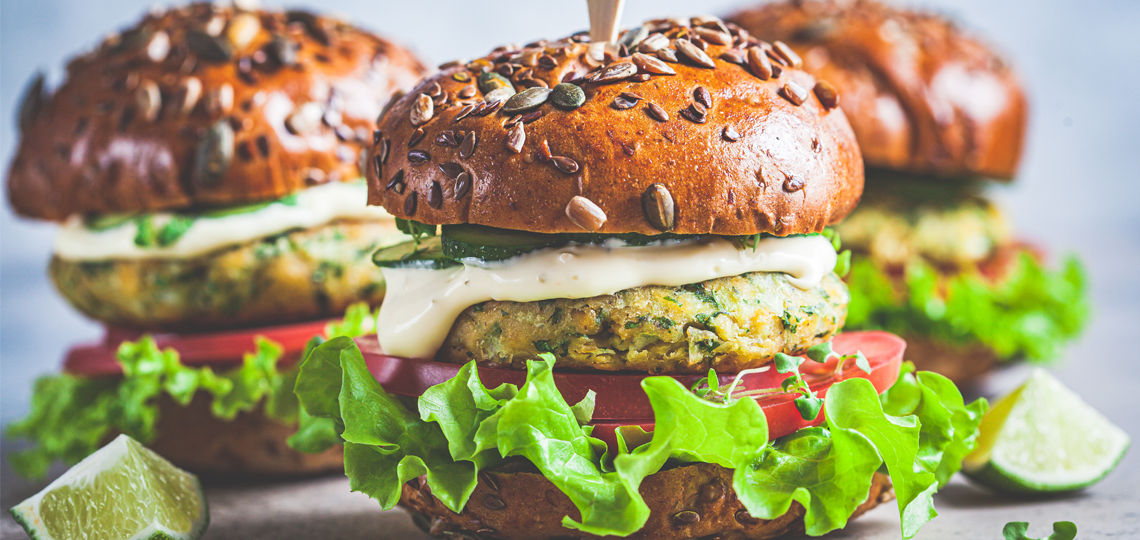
column 962, row 363
column 921, row 95
column 692, row 501
column 250, row 445
column 149, row 120
column 754, row 163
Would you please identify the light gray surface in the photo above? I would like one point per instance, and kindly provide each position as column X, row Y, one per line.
column 1078, row 192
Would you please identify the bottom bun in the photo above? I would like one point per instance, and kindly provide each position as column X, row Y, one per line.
column 964, row 364
column 250, row 445
column 690, row 501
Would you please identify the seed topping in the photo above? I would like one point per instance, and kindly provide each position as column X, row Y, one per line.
column 585, row 214
column 656, row 112
column 462, row 185
column 793, row 93
column 467, row 147
column 730, row 134
column 516, row 137
column 787, row 55
column 435, row 195
column 528, row 99
column 651, row 65
column 657, row 203
column 701, row 95
column 614, row 72
column 759, row 64
column 564, row 164
column 410, row 203
column 826, row 94
column 625, row 100
column 693, row 54
column 567, row 96
column 422, row 110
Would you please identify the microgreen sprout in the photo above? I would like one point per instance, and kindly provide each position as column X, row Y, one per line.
column 415, row 229
column 807, row 403
column 710, row 389
column 1017, row 530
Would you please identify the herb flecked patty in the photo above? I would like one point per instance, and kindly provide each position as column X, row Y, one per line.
column 297, row 275
column 957, row 231
column 728, row 324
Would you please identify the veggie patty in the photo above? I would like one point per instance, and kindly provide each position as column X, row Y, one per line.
column 293, row 276
column 728, row 324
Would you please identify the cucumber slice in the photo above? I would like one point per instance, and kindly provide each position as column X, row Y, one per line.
column 109, row 221
column 225, row 211
column 428, row 253
column 491, row 244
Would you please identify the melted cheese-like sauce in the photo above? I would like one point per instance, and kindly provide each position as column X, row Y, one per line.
column 421, row 305
column 313, row 207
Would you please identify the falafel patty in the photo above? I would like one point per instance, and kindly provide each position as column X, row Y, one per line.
column 297, row 275
column 957, row 230
column 729, row 324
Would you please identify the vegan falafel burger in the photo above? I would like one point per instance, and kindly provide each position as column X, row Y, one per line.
column 938, row 116
column 620, row 263
column 205, row 167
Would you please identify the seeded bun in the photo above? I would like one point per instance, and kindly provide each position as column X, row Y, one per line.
column 204, row 105
column 681, row 136
column 921, row 95
column 963, row 363
column 691, row 501
column 250, row 445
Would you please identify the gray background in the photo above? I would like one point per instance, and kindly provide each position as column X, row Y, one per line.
column 1078, row 192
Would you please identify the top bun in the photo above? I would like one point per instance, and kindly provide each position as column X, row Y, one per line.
column 204, row 105
column 922, row 96
column 671, row 130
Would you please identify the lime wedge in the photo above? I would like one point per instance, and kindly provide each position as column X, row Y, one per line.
column 121, row 491
column 1043, row 438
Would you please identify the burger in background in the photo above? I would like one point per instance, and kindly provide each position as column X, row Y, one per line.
column 620, row 251
column 206, row 167
column 938, row 117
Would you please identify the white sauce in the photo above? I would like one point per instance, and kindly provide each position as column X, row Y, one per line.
column 421, row 305
column 314, row 207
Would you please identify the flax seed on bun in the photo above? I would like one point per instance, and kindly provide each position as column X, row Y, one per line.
column 922, row 95
column 204, row 105
column 700, row 130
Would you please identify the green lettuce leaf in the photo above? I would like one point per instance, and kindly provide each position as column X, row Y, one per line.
column 539, row 425
column 854, row 405
column 918, row 430
column 385, row 445
column 1029, row 313
column 691, row 429
column 72, row 416
column 314, row 433
column 949, row 427
column 827, row 471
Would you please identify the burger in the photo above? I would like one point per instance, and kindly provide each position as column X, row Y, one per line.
column 940, row 119
column 205, row 168
column 620, row 259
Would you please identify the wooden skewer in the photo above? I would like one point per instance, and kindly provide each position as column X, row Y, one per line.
column 604, row 18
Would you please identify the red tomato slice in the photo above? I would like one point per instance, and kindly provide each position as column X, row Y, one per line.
column 195, row 349
column 620, row 400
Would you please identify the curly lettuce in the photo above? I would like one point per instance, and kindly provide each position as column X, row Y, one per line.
column 917, row 430
column 71, row 416
column 1031, row 312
